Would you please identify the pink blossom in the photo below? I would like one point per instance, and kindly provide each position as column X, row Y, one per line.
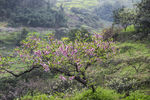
column 98, row 36
column 57, row 53
column 71, row 78
column 48, row 47
column 90, row 51
column 58, row 62
column 48, row 62
column 62, row 78
column 95, row 42
column 61, row 48
column 99, row 45
column 64, row 50
column 46, row 67
column 21, row 55
column 67, row 48
column 72, row 52
column 46, row 52
column 59, row 42
column 75, row 51
column 65, row 53
column 38, row 53
column 22, row 68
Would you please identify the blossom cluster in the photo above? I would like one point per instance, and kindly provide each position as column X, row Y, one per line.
column 70, row 57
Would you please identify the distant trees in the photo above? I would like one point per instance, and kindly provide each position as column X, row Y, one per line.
column 124, row 16
column 143, row 17
column 139, row 17
column 35, row 13
column 105, row 10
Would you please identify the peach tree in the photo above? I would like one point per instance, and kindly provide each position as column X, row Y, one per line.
column 71, row 59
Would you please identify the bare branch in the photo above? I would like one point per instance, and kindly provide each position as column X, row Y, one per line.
column 22, row 73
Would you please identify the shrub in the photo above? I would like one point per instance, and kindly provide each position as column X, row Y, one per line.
column 37, row 97
column 100, row 94
column 82, row 33
column 111, row 33
column 22, row 36
column 138, row 96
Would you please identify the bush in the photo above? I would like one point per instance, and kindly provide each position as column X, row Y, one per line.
column 79, row 33
column 100, row 94
column 130, row 28
column 109, row 33
column 138, row 96
column 22, row 36
column 37, row 97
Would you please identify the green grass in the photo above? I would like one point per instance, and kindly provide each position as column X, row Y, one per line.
column 8, row 41
column 132, row 49
column 15, row 68
column 119, row 68
column 3, row 24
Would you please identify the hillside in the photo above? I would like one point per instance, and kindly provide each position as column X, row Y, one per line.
column 74, row 50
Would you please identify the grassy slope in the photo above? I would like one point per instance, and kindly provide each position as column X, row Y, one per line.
column 100, row 94
column 128, row 67
column 114, row 73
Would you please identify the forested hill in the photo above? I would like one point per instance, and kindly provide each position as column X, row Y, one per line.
column 94, row 15
column 101, row 8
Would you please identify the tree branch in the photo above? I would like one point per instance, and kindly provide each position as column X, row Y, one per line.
column 22, row 73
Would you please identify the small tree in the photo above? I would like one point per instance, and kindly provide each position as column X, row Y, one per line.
column 82, row 34
column 69, row 59
column 143, row 17
column 124, row 17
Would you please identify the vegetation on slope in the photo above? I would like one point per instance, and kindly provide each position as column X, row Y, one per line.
column 127, row 73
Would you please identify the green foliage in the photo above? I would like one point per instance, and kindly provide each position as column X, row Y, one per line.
column 139, row 17
column 22, row 36
column 138, row 96
column 39, row 18
column 31, row 13
column 70, row 59
column 130, row 28
column 13, row 38
column 84, row 18
column 82, row 34
column 124, row 17
column 129, row 69
column 143, row 17
column 105, row 9
column 100, row 94
column 37, row 97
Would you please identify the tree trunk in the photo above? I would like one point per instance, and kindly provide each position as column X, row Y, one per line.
column 93, row 88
